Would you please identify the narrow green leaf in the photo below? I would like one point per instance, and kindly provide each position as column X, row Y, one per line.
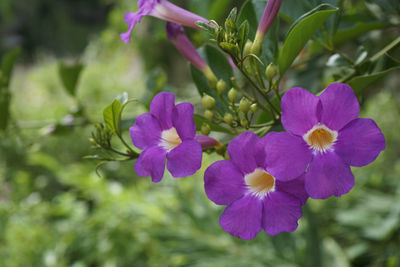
column 69, row 74
column 359, row 83
column 248, row 13
column 112, row 117
column 7, row 65
column 301, row 31
column 199, row 120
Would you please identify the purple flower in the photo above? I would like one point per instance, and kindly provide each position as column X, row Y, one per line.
column 161, row 9
column 168, row 131
column 268, row 17
column 176, row 35
column 254, row 198
column 324, row 139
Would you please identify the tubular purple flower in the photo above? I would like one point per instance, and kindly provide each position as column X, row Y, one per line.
column 324, row 138
column 176, row 35
column 268, row 17
column 167, row 132
column 254, row 198
column 161, row 9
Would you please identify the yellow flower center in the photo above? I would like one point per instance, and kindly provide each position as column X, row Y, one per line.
column 170, row 139
column 320, row 138
column 260, row 182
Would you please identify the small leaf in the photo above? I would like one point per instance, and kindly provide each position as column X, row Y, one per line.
column 301, row 31
column 112, row 117
column 123, row 98
column 69, row 74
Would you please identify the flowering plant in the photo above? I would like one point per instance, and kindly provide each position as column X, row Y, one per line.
column 278, row 146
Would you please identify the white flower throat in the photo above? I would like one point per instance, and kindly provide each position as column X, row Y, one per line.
column 260, row 182
column 320, row 138
column 170, row 139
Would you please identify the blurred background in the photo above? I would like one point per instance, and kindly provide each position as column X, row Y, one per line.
column 56, row 211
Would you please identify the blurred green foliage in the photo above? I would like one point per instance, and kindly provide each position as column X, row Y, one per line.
column 56, row 211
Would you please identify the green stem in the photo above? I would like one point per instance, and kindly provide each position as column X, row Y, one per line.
column 386, row 49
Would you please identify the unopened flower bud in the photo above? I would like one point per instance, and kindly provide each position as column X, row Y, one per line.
column 244, row 105
column 244, row 123
column 271, row 71
column 247, row 47
column 254, row 108
column 232, row 95
column 228, row 118
column 205, row 129
column 209, row 115
column 208, row 102
column 221, row 86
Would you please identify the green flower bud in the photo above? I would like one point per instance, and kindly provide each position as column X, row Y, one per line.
column 228, row 118
column 254, row 108
column 247, row 47
column 205, row 129
column 244, row 105
column 209, row 114
column 271, row 71
column 221, row 86
column 232, row 95
column 208, row 102
column 244, row 123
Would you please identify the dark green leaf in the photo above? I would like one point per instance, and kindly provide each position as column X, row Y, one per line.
column 199, row 120
column 247, row 13
column 7, row 65
column 69, row 74
column 218, row 8
column 301, row 31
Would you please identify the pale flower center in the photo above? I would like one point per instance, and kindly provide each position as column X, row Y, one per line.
column 260, row 182
column 170, row 139
column 320, row 138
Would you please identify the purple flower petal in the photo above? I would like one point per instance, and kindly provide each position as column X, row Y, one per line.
column 185, row 159
column 360, row 142
column 281, row 212
column 161, row 107
column 224, row 183
column 287, row 155
column 241, row 151
column 205, row 141
column 131, row 18
column 328, row 175
column 151, row 162
column 299, row 111
column 259, row 152
column 146, row 131
column 294, row 188
column 339, row 106
column 182, row 119
column 243, row 217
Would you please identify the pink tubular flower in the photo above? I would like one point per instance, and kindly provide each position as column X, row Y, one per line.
column 168, row 131
column 324, row 139
column 176, row 35
column 161, row 9
column 268, row 17
column 254, row 198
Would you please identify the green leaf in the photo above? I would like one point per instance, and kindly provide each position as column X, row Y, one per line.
column 7, row 65
column 69, row 74
column 199, row 120
column 359, row 83
column 360, row 28
column 218, row 8
column 248, row 13
column 8, row 62
column 301, row 31
column 112, row 117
